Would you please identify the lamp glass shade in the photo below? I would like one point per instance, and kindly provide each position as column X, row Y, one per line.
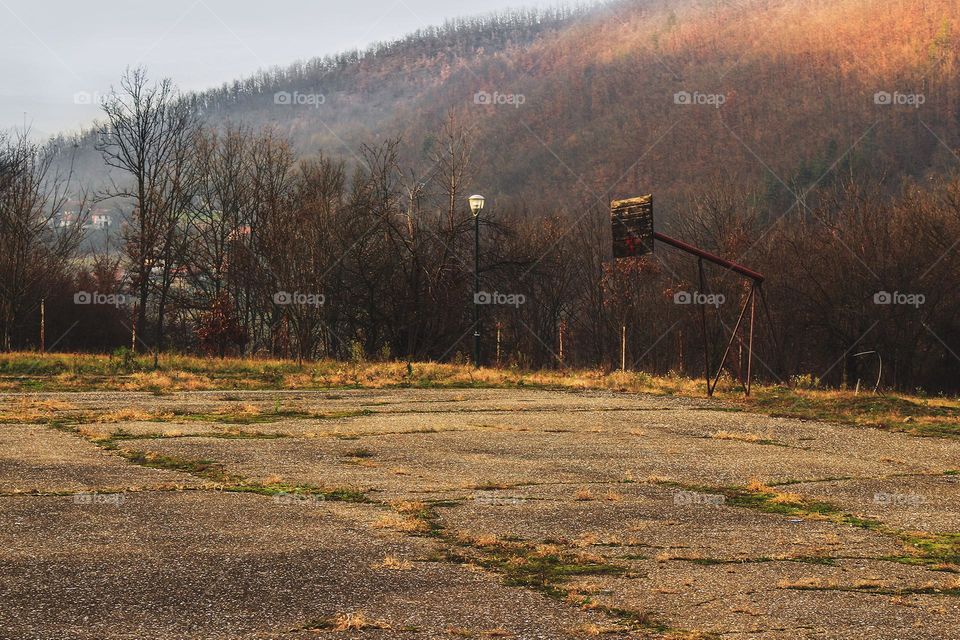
column 476, row 204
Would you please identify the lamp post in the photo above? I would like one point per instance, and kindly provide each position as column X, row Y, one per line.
column 476, row 206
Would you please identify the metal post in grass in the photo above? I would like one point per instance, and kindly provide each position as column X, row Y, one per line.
column 476, row 206
column 43, row 325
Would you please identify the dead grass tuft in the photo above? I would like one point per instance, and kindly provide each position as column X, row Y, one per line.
column 484, row 540
column 803, row 583
column 402, row 524
column 776, row 497
column 26, row 410
column 130, row 414
column 356, row 622
column 93, row 433
column 736, row 435
column 408, row 507
column 394, row 564
column 781, row 497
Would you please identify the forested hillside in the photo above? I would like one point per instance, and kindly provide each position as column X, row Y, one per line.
column 798, row 78
column 798, row 81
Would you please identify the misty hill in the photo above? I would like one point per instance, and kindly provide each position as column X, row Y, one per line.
column 634, row 96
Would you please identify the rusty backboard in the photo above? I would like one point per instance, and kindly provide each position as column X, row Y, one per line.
column 632, row 222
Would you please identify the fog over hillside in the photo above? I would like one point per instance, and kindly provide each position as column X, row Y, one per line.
column 590, row 102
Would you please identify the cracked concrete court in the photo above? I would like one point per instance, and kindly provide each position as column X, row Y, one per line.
column 466, row 513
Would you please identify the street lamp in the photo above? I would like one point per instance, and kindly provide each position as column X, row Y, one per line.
column 476, row 206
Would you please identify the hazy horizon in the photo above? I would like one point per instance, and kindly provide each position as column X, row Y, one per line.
column 56, row 68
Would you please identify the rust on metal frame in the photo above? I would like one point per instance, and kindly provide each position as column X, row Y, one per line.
column 634, row 236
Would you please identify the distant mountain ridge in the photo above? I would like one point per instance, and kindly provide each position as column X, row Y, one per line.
column 580, row 106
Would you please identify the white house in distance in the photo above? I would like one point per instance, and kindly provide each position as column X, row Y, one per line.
column 101, row 220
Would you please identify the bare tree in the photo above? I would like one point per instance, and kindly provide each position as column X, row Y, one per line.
column 149, row 136
column 35, row 241
column 218, row 225
column 271, row 179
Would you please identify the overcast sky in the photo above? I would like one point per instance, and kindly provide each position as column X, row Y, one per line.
column 56, row 53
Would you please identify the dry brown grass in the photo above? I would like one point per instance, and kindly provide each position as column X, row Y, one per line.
column 919, row 415
column 27, row 410
column 812, row 582
column 402, row 524
column 408, row 507
column 777, row 497
column 394, row 564
column 238, row 410
column 870, row 583
column 808, row 582
column 167, row 381
column 130, row 414
column 185, row 373
column 356, row 622
column 586, row 539
column 485, row 540
column 782, row 497
column 93, row 433
column 737, row 435
column 658, row 479
column 544, row 550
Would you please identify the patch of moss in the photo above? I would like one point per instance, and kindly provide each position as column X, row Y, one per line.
column 934, row 548
column 300, row 490
column 206, row 469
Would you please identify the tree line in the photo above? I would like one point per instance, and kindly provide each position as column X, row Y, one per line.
column 236, row 245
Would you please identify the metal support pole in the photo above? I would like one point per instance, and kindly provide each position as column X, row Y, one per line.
column 43, row 325
column 476, row 291
column 733, row 337
column 753, row 312
column 703, row 327
column 561, row 343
